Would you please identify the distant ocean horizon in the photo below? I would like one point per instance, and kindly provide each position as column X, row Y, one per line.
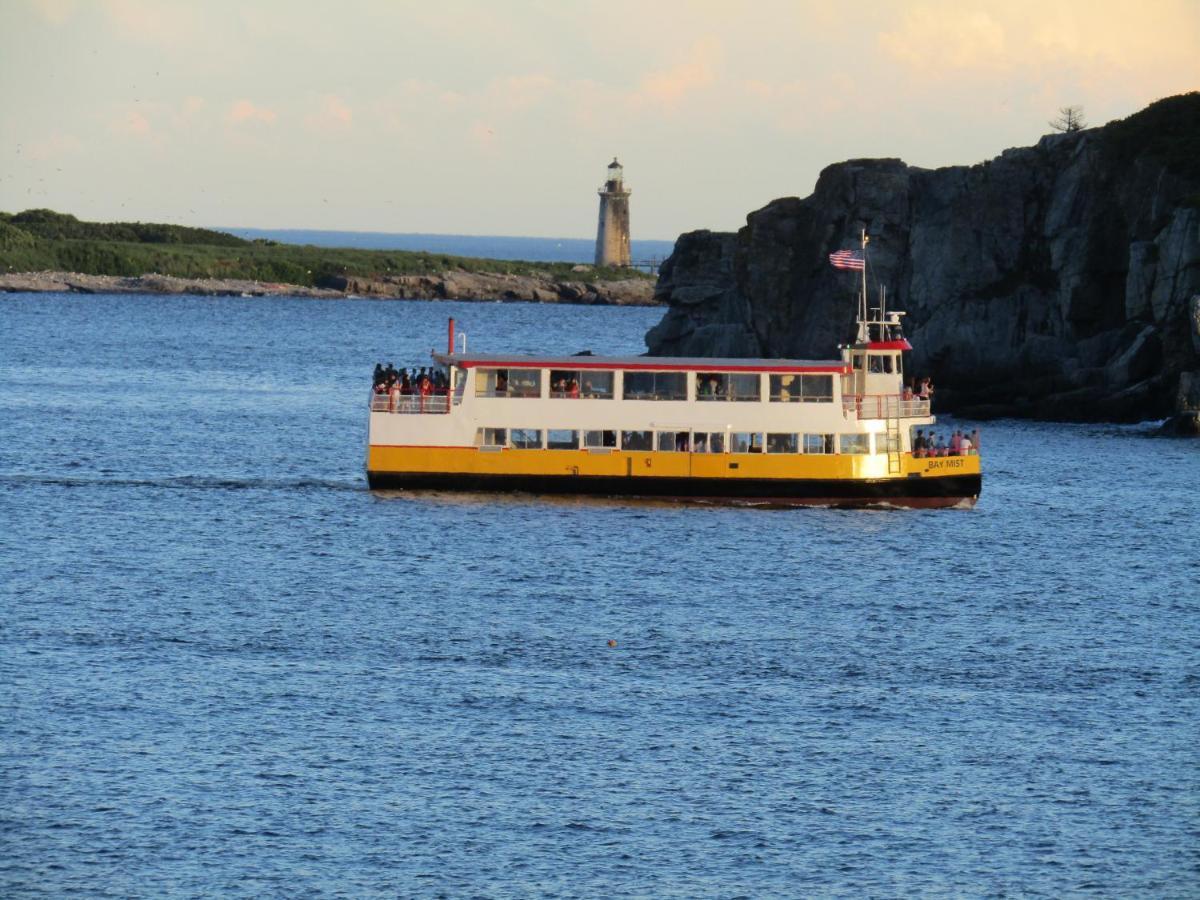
column 534, row 249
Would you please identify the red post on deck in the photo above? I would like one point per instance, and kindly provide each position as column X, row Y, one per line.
column 450, row 346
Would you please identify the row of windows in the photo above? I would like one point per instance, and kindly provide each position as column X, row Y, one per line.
column 877, row 363
column 586, row 384
column 680, row 441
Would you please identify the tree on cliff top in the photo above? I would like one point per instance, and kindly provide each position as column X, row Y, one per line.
column 1070, row 118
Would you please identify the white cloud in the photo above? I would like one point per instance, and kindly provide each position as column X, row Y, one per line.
column 332, row 114
column 153, row 21
column 948, row 36
column 245, row 111
column 667, row 87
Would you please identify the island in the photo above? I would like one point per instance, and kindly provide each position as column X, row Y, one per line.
column 44, row 250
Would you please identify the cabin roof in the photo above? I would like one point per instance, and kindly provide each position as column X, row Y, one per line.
column 641, row 363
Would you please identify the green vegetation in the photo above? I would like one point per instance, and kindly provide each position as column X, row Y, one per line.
column 1167, row 130
column 41, row 240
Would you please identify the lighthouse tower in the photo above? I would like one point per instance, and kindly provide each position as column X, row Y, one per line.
column 612, row 234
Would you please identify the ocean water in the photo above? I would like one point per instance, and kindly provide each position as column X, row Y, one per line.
column 226, row 668
column 537, row 249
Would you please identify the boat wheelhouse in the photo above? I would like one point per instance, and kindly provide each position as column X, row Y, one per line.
column 767, row 431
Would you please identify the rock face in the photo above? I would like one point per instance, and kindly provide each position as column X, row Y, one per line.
column 1054, row 281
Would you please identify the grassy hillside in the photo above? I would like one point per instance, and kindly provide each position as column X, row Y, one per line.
column 41, row 239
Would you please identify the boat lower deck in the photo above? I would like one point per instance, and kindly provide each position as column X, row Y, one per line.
column 766, row 479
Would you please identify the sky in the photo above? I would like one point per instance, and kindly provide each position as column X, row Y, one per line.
column 465, row 117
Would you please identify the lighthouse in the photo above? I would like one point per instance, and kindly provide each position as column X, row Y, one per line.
column 612, row 234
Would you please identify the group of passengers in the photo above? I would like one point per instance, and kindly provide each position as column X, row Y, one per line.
column 920, row 389
column 409, row 382
column 960, row 443
column 566, row 387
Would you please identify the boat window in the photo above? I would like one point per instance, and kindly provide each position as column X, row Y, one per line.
column 598, row 385
column 491, row 382
column 708, row 442
column 460, row 385
column 818, row 443
column 728, row 386
column 655, row 385
column 853, row 443
column 572, row 384
column 637, row 440
column 674, row 441
column 805, row 388
column 564, row 384
column 887, row 443
column 525, row 382
column 599, row 439
column 562, row 439
column 743, row 442
column 490, row 437
column 508, row 382
column 782, row 443
column 526, row 438
column 880, row 363
column 857, row 360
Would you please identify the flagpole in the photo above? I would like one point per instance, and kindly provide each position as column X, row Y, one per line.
column 866, row 331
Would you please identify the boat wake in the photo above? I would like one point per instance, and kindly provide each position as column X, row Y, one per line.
column 184, row 482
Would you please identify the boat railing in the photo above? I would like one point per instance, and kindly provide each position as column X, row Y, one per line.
column 412, row 404
column 885, row 406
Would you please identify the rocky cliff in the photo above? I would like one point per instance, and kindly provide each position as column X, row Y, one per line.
column 1058, row 281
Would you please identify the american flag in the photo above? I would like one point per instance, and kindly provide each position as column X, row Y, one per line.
column 847, row 259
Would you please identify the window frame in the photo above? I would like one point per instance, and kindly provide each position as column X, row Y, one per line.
column 512, row 439
column 634, row 375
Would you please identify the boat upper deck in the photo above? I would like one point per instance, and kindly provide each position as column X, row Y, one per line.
column 642, row 363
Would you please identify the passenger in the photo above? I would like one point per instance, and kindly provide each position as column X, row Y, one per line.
column 955, row 442
column 379, row 376
column 940, row 449
column 701, row 444
column 919, row 444
column 965, row 446
column 975, row 439
column 394, row 397
column 681, row 442
column 573, row 389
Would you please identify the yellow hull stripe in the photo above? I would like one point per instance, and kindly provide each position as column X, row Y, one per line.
column 660, row 464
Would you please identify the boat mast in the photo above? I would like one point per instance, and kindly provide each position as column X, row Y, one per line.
column 864, row 333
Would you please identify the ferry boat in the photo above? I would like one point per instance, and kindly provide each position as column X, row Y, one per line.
column 787, row 432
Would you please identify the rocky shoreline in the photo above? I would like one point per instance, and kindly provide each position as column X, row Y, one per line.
column 450, row 285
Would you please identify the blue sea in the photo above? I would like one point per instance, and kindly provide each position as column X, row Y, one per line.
column 534, row 249
column 229, row 669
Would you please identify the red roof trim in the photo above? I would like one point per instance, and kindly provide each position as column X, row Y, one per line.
column 890, row 345
column 646, row 367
